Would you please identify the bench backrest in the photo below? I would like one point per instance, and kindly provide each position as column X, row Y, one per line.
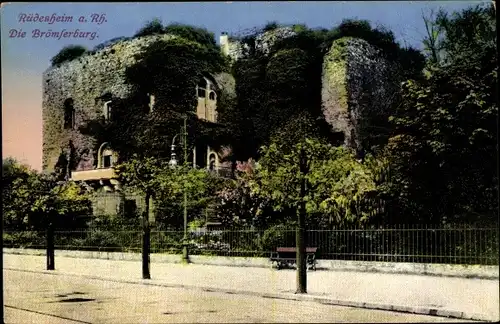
column 294, row 250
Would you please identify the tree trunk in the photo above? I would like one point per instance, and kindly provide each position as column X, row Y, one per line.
column 50, row 247
column 300, row 231
column 146, row 240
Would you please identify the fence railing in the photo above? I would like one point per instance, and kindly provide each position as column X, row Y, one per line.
column 417, row 244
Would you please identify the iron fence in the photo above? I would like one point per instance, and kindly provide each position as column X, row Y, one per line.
column 417, row 244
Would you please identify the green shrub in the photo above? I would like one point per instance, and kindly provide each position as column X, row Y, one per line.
column 24, row 239
column 68, row 53
column 166, row 242
column 270, row 26
column 100, row 239
column 195, row 34
column 150, row 28
column 276, row 236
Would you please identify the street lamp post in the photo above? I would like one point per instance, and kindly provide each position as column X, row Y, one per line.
column 173, row 164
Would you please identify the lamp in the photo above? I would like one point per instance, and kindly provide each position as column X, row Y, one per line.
column 173, row 160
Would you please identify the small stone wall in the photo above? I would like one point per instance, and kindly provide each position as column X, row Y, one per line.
column 447, row 270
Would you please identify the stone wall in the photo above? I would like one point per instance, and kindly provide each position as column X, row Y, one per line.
column 356, row 79
column 357, row 86
column 264, row 41
column 84, row 80
column 235, row 49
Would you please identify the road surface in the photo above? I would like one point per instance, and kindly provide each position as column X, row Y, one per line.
column 44, row 298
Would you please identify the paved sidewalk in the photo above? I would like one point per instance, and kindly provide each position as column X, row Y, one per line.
column 455, row 297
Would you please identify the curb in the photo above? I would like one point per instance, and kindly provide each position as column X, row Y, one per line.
column 285, row 296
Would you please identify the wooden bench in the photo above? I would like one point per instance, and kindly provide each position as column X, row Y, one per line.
column 287, row 257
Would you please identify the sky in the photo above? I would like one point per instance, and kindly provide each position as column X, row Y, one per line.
column 26, row 55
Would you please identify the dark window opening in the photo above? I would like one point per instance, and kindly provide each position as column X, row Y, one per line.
column 106, row 96
column 130, row 207
column 202, row 84
column 201, row 93
column 108, row 111
column 338, row 138
column 107, row 161
column 201, row 156
column 69, row 114
column 212, row 162
column 212, row 95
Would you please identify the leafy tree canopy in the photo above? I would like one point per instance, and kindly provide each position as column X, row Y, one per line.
column 29, row 198
column 339, row 189
column 460, row 35
column 166, row 185
column 442, row 152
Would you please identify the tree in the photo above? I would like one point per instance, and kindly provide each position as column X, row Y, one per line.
column 68, row 53
column 60, row 200
column 337, row 185
column 33, row 200
column 433, row 40
column 160, row 183
column 141, row 175
column 314, row 179
column 468, row 34
column 443, row 165
column 39, row 201
column 17, row 193
column 445, row 142
column 200, row 186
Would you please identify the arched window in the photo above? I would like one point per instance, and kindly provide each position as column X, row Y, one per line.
column 107, row 110
column 69, row 114
column 106, row 157
column 211, row 96
column 211, row 165
column 202, row 88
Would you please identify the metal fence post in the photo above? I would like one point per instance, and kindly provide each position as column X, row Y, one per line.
column 50, row 247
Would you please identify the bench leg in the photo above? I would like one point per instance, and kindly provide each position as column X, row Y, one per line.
column 312, row 264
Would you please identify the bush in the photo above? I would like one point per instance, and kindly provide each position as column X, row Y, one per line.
column 166, row 242
column 270, row 26
column 68, row 53
column 150, row 28
column 195, row 34
column 110, row 42
column 99, row 239
column 24, row 239
column 276, row 236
